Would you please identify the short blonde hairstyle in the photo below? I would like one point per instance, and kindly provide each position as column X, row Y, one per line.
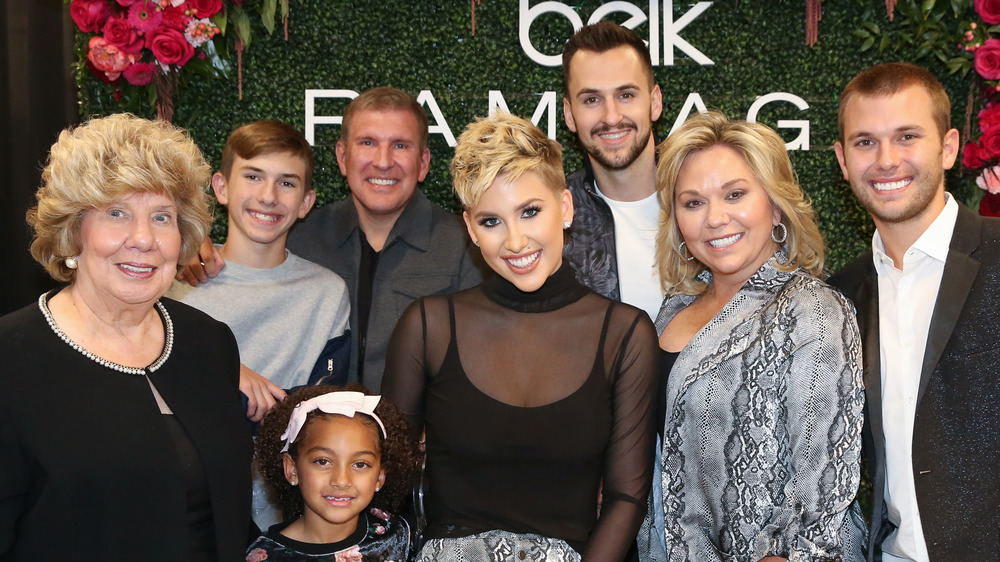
column 102, row 162
column 503, row 145
column 764, row 152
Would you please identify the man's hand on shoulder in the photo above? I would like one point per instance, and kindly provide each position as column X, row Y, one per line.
column 204, row 266
column 261, row 393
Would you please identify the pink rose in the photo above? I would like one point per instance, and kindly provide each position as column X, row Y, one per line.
column 169, row 46
column 127, row 3
column 204, row 8
column 89, row 15
column 352, row 554
column 144, row 16
column 118, row 32
column 140, row 73
column 257, row 555
column 989, row 180
column 988, row 59
column 107, row 58
column 989, row 10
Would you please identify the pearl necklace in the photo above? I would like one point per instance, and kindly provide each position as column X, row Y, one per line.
column 167, row 348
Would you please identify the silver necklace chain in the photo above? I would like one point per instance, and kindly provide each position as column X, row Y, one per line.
column 43, row 304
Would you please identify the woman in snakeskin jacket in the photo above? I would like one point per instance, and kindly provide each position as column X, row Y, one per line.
column 761, row 410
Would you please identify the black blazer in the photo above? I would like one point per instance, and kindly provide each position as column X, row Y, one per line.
column 956, row 435
column 88, row 470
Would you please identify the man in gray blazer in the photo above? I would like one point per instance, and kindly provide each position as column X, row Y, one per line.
column 927, row 299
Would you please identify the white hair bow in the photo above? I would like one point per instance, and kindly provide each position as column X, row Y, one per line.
column 345, row 403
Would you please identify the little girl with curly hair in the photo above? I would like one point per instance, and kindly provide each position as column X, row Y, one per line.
column 338, row 462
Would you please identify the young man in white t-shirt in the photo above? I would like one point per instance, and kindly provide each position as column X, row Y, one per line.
column 611, row 102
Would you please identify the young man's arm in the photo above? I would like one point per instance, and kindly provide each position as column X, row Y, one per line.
column 207, row 264
column 261, row 393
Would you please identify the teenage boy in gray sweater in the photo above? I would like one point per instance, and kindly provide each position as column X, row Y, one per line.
column 289, row 315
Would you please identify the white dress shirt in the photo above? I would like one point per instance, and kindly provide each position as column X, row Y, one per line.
column 906, row 302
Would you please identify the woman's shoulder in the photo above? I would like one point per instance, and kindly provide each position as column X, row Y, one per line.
column 810, row 293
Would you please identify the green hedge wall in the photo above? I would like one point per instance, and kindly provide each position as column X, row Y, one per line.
column 758, row 47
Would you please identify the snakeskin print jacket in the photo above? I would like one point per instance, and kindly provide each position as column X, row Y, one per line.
column 762, row 439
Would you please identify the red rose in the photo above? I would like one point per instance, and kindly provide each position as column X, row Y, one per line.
column 988, row 59
column 991, row 145
column 89, row 15
column 989, row 10
column 973, row 156
column 989, row 205
column 140, row 73
column 204, row 8
column 169, row 46
column 118, row 32
column 175, row 18
column 126, row 3
column 989, row 118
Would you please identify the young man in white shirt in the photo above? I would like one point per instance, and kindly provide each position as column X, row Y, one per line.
column 928, row 318
column 611, row 102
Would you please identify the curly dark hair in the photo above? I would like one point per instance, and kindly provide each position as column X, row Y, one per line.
column 399, row 456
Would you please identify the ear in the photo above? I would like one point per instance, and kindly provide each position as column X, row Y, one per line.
column 568, row 115
column 307, row 203
column 219, row 187
column 341, row 151
column 838, row 148
column 425, row 163
column 655, row 103
column 950, row 148
column 288, row 463
column 381, row 479
column 468, row 226
column 775, row 215
column 566, row 199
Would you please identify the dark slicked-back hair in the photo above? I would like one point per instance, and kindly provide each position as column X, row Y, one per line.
column 267, row 137
column 888, row 79
column 601, row 37
column 385, row 98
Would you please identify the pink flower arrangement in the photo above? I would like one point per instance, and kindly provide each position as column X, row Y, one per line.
column 134, row 38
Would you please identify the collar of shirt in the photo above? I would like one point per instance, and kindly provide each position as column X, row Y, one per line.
column 933, row 243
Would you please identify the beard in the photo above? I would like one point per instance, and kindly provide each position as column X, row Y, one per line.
column 919, row 200
column 616, row 159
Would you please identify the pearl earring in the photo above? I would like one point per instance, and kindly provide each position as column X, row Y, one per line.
column 71, row 262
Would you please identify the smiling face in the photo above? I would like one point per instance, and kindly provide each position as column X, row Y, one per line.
column 518, row 225
column 383, row 161
column 264, row 197
column 724, row 214
column 129, row 250
column 894, row 156
column 611, row 106
column 338, row 470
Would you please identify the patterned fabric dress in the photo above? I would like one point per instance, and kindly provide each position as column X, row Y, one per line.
column 380, row 537
column 762, row 440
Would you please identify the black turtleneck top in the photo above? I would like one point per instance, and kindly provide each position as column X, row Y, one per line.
column 530, row 402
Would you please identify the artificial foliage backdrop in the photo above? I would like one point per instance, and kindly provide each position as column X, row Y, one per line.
column 757, row 48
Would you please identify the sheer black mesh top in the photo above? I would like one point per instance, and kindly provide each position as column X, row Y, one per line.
column 530, row 402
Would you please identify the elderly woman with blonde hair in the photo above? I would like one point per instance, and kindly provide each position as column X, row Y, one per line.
column 761, row 411
column 532, row 389
column 120, row 422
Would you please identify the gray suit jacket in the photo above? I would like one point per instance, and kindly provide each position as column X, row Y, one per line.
column 956, row 435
